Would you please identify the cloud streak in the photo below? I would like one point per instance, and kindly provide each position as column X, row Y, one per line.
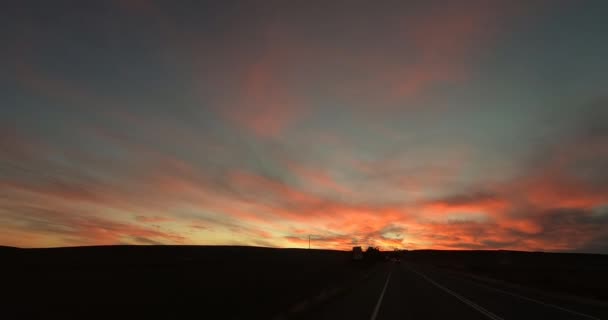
column 374, row 126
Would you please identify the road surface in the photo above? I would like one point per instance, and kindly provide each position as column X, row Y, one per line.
column 407, row 291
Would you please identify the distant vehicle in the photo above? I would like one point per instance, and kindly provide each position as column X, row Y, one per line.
column 357, row 253
column 395, row 260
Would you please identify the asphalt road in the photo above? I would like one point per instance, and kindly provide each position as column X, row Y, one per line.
column 406, row 291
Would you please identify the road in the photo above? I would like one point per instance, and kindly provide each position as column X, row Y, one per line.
column 407, row 291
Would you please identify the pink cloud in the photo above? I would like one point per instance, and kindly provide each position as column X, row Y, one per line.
column 264, row 106
column 442, row 38
column 527, row 212
column 316, row 178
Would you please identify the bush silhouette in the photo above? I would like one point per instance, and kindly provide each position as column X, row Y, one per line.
column 372, row 254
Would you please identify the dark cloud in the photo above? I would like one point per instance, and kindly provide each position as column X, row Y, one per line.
column 143, row 240
column 493, row 244
column 598, row 244
column 589, row 120
column 475, row 197
column 152, row 219
column 580, row 228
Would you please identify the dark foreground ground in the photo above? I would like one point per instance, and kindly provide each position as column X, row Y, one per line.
column 413, row 291
column 184, row 282
column 584, row 275
column 166, row 282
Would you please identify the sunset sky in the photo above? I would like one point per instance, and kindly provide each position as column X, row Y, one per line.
column 399, row 124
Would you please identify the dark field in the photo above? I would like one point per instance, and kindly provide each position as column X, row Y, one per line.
column 583, row 275
column 166, row 282
column 227, row 282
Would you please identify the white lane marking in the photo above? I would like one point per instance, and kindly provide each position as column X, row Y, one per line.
column 459, row 297
column 377, row 308
column 537, row 301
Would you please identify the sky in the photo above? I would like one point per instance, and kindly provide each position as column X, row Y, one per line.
column 397, row 124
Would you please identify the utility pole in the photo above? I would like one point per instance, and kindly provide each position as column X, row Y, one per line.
column 308, row 241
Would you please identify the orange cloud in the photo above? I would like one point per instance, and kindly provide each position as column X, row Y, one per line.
column 153, row 219
column 472, row 203
column 545, row 208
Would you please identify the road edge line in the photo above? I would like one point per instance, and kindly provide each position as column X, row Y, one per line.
column 377, row 308
column 466, row 301
column 546, row 304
